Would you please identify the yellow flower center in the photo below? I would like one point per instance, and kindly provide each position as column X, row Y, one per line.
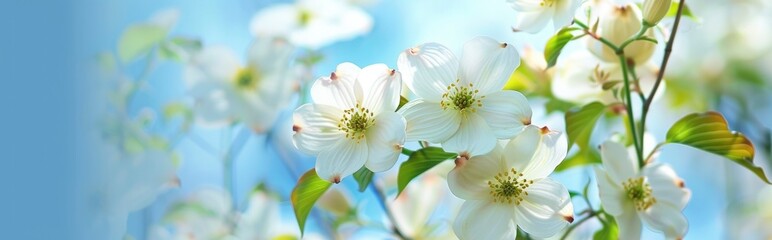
column 639, row 192
column 246, row 79
column 509, row 187
column 355, row 122
column 547, row 3
column 304, row 17
column 461, row 98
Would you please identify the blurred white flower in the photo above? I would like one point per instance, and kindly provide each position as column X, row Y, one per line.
column 617, row 23
column 654, row 194
column 226, row 91
column 535, row 14
column 312, row 23
column 461, row 105
column 204, row 215
column 508, row 188
column 351, row 122
column 415, row 208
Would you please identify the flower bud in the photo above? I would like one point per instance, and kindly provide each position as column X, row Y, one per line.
column 617, row 24
column 655, row 10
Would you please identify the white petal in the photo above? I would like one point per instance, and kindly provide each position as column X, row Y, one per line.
column 666, row 186
column 270, row 55
column 473, row 136
column 618, row 163
column 428, row 70
column 340, row 89
column 533, row 22
column 540, row 212
column 666, row 218
column 257, row 113
column 385, row 140
column 535, row 152
column 276, row 20
column 342, row 159
column 564, row 13
column 485, row 220
column 316, row 127
column 506, row 112
column 381, row 87
column 215, row 63
column 612, row 196
column 487, row 64
column 526, row 5
column 427, row 121
column 629, row 224
column 469, row 179
column 214, row 103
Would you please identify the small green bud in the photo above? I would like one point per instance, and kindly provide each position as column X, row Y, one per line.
column 654, row 11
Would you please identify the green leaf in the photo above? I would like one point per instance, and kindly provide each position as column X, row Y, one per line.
column 555, row 45
column 574, row 193
column 402, row 102
column 139, row 39
column 709, row 132
column 554, row 104
column 363, row 177
column 180, row 48
column 583, row 157
column 579, row 124
column 420, row 161
column 610, row 230
column 686, row 12
column 308, row 189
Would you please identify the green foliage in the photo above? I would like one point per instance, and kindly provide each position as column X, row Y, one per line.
column 178, row 110
column 686, row 12
column 580, row 123
column 139, row 39
column 610, row 230
column 419, row 162
column 308, row 190
column 364, row 176
column 554, row 104
column 709, row 132
column 583, row 157
column 179, row 48
column 555, row 45
column 402, row 102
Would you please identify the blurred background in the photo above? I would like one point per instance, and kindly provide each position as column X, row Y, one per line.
column 155, row 166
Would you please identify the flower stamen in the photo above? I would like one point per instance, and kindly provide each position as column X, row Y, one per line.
column 461, row 98
column 509, row 187
column 355, row 122
column 246, row 79
column 639, row 192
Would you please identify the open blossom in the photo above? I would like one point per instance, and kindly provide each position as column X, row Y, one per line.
column 508, row 188
column 351, row 122
column 312, row 23
column 535, row 14
column 225, row 90
column 461, row 105
column 654, row 195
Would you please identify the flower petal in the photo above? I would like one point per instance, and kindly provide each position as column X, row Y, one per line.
column 551, row 151
column 469, row 179
column 520, row 150
column 381, row 87
column 533, row 22
column 214, row 103
column 612, row 196
column 270, row 55
column 506, row 112
column 487, row 64
column 485, row 220
column 617, row 161
column 473, row 136
column 316, row 127
column 428, row 70
column 564, row 13
column 526, row 5
column 666, row 186
column 428, row 121
column 340, row 89
column 276, row 20
column 539, row 214
column 666, row 218
column 342, row 159
column 629, row 224
column 385, row 140
column 215, row 63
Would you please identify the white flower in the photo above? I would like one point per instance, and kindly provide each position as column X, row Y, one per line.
column 225, row 90
column 617, row 23
column 351, row 122
column 206, row 214
column 422, row 207
column 535, row 14
column 654, row 194
column 461, row 105
column 312, row 23
column 508, row 188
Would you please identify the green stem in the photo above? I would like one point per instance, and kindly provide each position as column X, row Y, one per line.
column 637, row 82
column 407, row 152
column 661, row 73
column 629, row 106
column 635, row 37
column 573, row 226
column 595, row 36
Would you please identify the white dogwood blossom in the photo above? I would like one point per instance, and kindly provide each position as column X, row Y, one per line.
column 460, row 103
column 312, row 23
column 535, row 14
column 225, row 91
column 654, row 195
column 509, row 188
column 351, row 121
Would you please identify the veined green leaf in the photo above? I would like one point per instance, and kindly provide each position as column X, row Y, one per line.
column 420, row 161
column 709, row 132
column 308, row 189
column 363, row 177
column 579, row 124
column 555, row 45
column 139, row 39
column 583, row 157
